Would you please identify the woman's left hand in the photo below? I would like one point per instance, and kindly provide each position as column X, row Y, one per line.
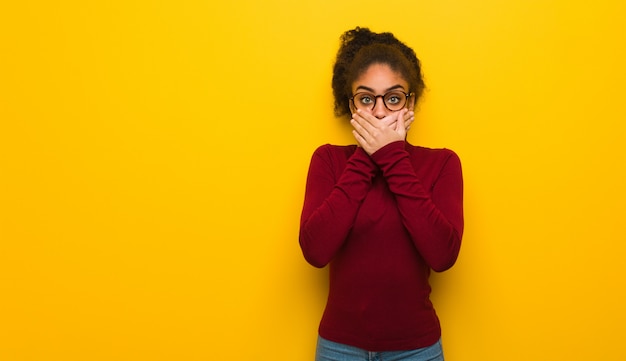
column 372, row 133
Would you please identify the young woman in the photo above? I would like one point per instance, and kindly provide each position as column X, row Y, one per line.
column 382, row 213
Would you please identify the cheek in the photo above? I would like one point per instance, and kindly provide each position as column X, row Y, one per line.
column 352, row 110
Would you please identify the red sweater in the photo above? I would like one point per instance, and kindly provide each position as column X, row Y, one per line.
column 382, row 222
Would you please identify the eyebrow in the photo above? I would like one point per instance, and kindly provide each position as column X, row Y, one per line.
column 363, row 87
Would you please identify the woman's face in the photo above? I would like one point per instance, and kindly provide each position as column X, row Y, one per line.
column 380, row 85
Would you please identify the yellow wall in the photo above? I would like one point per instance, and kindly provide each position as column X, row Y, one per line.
column 153, row 158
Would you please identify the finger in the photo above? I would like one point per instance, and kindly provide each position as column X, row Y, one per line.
column 369, row 121
column 358, row 125
column 365, row 121
column 359, row 139
column 407, row 124
column 409, row 117
column 401, row 126
column 391, row 119
column 402, row 118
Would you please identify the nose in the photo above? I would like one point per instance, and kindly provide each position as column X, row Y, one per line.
column 380, row 110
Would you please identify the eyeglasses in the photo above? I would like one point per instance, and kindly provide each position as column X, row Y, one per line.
column 393, row 100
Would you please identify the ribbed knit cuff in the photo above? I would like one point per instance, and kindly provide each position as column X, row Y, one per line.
column 389, row 154
column 362, row 158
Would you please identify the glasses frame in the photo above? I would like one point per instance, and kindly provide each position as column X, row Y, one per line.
column 406, row 99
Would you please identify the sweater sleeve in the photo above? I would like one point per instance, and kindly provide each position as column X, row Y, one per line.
column 434, row 220
column 331, row 202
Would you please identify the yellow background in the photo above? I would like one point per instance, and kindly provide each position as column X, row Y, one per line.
column 153, row 156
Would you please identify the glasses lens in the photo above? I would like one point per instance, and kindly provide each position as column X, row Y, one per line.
column 364, row 101
column 395, row 100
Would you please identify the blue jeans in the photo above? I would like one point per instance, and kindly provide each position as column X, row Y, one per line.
column 332, row 351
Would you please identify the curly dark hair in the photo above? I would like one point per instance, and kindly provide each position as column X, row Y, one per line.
column 361, row 48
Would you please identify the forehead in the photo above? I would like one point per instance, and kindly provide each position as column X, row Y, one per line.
column 379, row 78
